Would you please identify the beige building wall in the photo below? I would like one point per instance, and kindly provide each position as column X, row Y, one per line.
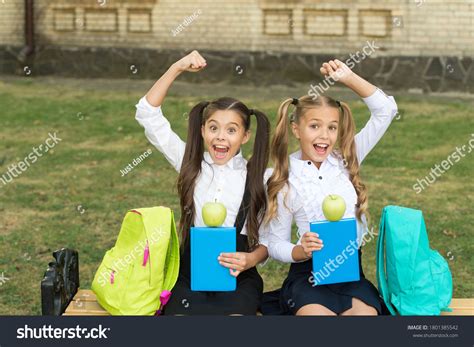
column 11, row 22
column 400, row 28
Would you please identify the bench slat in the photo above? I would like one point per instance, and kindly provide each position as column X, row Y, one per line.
column 460, row 307
column 85, row 303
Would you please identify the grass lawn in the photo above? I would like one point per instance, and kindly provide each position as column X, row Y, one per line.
column 75, row 196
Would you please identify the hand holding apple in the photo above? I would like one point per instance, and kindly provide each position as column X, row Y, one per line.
column 334, row 207
column 214, row 214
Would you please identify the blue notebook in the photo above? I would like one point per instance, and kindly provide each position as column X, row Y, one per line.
column 338, row 260
column 206, row 272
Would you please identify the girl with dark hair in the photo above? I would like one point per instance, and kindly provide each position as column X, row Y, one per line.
column 328, row 162
column 211, row 167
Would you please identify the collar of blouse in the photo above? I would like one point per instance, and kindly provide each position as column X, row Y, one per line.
column 299, row 166
column 238, row 162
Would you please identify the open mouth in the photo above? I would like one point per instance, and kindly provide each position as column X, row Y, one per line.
column 220, row 152
column 321, row 148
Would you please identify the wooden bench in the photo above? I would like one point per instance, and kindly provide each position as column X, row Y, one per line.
column 461, row 307
column 60, row 293
column 85, row 303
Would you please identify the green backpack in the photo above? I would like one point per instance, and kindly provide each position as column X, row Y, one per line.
column 412, row 278
column 138, row 273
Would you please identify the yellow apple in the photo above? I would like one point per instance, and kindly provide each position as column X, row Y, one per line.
column 214, row 214
column 334, row 207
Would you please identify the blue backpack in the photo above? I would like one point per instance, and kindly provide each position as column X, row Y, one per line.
column 412, row 278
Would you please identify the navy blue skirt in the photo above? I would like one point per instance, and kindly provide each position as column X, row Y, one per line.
column 297, row 291
column 245, row 300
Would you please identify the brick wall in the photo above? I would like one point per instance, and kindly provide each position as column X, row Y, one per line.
column 11, row 22
column 427, row 44
column 406, row 28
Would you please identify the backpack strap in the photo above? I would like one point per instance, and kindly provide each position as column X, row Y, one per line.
column 171, row 266
column 244, row 208
column 162, row 217
column 381, row 277
column 172, row 257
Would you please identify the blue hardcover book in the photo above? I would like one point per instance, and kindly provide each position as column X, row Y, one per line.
column 338, row 260
column 206, row 272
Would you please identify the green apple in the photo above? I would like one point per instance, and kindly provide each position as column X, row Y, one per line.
column 334, row 207
column 214, row 214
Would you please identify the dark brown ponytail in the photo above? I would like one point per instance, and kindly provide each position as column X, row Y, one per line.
column 256, row 167
column 190, row 169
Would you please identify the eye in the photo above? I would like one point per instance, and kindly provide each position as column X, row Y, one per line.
column 333, row 128
column 213, row 128
column 232, row 130
column 314, row 126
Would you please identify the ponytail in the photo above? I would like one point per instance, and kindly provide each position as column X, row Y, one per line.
column 348, row 152
column 190, row 169
column 256, row 167
column 279, row 156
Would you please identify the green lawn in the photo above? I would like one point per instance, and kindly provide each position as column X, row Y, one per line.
column 74, row 196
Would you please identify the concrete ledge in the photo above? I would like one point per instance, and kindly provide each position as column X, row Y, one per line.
column 428, row 74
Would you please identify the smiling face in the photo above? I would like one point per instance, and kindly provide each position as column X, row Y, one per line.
column 317, row 130
column 224, row 133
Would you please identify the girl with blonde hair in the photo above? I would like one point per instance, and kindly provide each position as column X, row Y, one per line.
column 328, row 162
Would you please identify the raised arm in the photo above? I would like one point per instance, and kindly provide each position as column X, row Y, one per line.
column 340, row 72
column 382, row 108
column 192, row 62
column 150, row 116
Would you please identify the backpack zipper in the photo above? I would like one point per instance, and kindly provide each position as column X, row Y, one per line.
column 146, row 254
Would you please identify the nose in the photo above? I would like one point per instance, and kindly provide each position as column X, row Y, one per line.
column 221, row 135
column 324, row 134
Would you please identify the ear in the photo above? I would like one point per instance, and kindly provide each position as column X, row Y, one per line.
column 295, row 130
column 246, row 137
column 202, row 131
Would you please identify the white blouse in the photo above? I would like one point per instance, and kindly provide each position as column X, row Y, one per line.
column 308, row 185
column 224, row 183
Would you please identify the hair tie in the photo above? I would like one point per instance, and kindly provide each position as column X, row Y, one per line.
column 295, row 101
column 251, row 111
